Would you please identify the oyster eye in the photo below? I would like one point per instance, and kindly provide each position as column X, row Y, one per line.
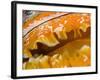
column 28, row 12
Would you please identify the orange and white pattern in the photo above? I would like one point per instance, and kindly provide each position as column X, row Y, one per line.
column 56, row 40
